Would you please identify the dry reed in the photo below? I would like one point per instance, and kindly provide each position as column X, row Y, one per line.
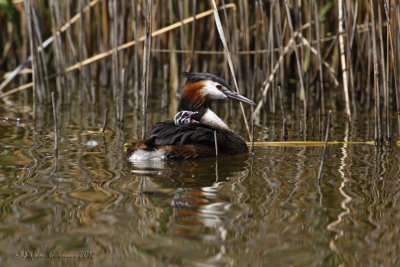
column 283, row 52
column 146, row 65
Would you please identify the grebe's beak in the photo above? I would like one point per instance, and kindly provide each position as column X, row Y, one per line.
column 236, row 96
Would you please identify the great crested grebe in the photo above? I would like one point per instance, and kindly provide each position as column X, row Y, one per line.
column 191, row 134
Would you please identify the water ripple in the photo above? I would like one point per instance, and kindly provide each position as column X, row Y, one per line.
column 266, row 209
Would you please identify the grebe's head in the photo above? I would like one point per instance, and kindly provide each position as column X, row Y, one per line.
column 201, row 87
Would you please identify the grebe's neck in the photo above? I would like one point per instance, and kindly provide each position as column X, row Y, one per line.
column 193, row 97
column 212, row 119
column 196, row 97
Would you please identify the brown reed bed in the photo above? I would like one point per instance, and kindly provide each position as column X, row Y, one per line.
column 311, row 56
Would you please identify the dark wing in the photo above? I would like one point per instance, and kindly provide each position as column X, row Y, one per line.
column 167, row 133
column 196, row 134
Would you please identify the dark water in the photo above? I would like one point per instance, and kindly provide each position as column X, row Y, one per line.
column 90, row 206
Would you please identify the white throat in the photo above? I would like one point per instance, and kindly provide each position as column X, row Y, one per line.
column 212, row 119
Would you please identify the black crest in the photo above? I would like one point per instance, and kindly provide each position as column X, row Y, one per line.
column 202, row 76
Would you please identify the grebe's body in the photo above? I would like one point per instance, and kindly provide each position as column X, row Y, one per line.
column 192, row 132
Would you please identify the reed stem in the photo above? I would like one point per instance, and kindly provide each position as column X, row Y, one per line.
column 53, row 102
column 252, row 130
column 378, row 131
column 324, row 150
column 216, row 143
column 146, row 62
column 105, row 122
column 343, row 58
column 299, row 69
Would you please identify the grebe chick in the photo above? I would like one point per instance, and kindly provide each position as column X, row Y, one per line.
column 191, row 134
column 185, row 117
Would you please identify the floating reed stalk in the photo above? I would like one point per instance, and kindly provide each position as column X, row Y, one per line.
column 311, row 143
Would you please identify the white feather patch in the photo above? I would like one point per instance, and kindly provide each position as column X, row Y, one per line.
column 212, row 119
column 140, row 155
column 212, row 92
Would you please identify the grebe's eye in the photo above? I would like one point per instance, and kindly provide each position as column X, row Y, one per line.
column 219, row 87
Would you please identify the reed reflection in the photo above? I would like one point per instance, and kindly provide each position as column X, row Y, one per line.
column 370, row 210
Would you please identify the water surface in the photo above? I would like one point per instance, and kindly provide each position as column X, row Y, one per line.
column 91, row 206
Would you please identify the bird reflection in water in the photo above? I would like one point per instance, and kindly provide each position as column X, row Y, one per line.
column 191, row 188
